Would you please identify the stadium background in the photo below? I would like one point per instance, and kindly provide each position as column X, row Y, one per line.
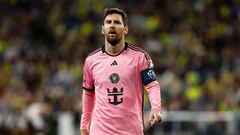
column 194, row 45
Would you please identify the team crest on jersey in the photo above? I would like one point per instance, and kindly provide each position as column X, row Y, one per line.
column 114, row 78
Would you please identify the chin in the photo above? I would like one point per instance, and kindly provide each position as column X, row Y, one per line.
column 113, row 42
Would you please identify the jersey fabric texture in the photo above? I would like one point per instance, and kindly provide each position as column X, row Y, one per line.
column 113, row 96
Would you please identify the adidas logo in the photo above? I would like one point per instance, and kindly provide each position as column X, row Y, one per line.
column 114, row 63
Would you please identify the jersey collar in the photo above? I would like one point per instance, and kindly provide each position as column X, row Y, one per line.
column 125, row 48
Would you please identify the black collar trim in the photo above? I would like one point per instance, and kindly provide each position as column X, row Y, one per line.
column 125, row 48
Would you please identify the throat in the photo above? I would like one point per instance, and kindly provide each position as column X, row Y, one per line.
column 114, row 50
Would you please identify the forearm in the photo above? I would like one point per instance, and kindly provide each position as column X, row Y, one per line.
column 153, row 90
column 87, row 108
column 84, row 132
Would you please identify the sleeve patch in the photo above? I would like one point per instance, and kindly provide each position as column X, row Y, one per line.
column 148, row 76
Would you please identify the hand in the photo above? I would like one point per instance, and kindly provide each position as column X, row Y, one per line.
column 155, row 117
column 84, row 132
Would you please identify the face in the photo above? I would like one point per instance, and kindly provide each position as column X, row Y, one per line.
column 113, row 28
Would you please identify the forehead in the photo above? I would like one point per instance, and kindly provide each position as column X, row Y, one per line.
column 113, row 16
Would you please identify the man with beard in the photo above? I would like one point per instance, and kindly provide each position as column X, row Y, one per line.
column 113, row 81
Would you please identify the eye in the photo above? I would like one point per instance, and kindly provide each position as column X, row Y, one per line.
column 117, row 22
column 108, row 21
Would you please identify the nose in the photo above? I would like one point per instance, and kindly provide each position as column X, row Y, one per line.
column 112, row 27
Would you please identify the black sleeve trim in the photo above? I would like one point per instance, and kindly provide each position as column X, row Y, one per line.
column 87, row 89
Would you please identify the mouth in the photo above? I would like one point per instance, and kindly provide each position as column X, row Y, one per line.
column 112, row 32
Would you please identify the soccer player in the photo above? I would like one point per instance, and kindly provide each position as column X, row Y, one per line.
column 113, row 81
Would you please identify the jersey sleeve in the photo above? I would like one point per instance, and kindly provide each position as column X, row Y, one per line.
column 88, row 99
column 88, row 83
column 146, row 69
column 145, row 61
column 88, row 95
column 149, row 80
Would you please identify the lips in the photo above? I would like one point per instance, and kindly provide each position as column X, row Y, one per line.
column 112, row 31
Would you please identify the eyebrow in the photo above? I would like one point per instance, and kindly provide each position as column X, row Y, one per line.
column 118, row 21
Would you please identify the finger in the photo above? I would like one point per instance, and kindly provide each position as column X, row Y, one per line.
column 160, row 119
column 157, row 119
column 154, row 121
column 151, row 119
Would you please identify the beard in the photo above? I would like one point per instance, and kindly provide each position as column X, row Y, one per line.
column 113, row 41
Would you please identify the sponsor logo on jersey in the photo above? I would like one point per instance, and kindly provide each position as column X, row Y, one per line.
column 115, row 96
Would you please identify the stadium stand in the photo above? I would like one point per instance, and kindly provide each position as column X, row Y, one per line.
column 194, row 46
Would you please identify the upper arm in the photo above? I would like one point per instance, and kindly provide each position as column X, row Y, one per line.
column 88, row 82
column 146, row 69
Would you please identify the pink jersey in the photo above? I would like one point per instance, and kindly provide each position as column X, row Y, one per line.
column 115, row 88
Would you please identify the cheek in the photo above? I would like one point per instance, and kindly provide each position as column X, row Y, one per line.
column 104, row 30
column 122, row 31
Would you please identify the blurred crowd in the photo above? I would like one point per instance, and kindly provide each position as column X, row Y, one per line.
column 194, row 44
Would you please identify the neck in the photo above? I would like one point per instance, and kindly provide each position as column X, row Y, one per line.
column 114, row 50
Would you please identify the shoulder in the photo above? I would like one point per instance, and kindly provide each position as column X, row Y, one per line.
column 94, row 54
column 138, row 50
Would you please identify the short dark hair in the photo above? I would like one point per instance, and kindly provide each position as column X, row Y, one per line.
column 116, row 11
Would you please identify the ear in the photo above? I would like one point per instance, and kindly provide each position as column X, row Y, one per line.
column 126, row 29
column 102, row 29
